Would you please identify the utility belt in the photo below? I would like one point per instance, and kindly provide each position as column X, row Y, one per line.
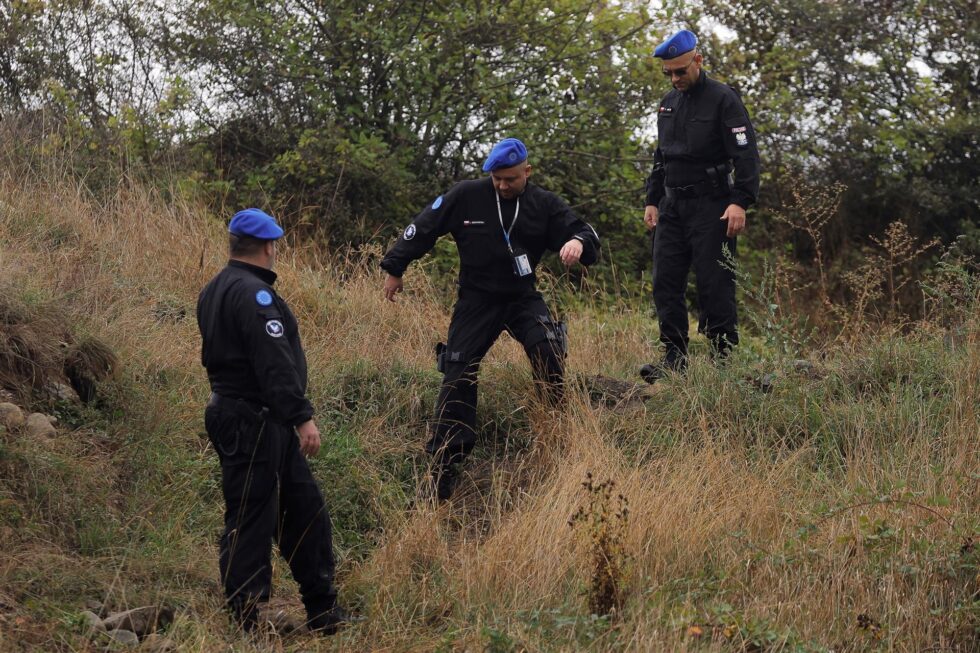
column 717, row 184
column 248, row 411
column 475, row 295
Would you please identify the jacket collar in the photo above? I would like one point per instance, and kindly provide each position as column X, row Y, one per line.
column 698, row 85
column 265, row 275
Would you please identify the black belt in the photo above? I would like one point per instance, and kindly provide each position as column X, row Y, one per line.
column 245, row 409
column 701, row 189
column 474, row 294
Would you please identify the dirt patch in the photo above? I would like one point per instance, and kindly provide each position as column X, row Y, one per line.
column 38, row 352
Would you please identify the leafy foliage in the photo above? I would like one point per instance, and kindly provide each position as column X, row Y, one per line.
column 344, row 118
column 350, row 117
column 882, row 98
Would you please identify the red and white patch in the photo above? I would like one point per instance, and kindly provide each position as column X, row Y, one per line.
column 738, row 130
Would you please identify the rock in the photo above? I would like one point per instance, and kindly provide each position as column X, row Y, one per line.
column 11, row 416
column 96, row 606
column 92, row 621
column 141, row 621
column 62, row 392
column 124, row 637
column 765, row 382
column 39, row 425
column 284, row 623
column 156, row 643
column 614, row 392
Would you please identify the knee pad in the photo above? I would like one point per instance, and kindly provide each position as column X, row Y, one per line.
column 553, row 335
column 548, row 352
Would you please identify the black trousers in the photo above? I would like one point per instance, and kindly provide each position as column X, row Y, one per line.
column 690, row 233
column 270, row 495
column 478, row 320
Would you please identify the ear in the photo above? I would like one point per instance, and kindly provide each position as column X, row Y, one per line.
column 270, row 247
column 527, row 170
column 698, row 58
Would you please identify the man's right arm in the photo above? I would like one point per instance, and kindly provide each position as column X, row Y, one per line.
column 420, row 236
column 654, row 189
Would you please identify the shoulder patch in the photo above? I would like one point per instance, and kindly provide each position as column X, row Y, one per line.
column 409, row 232
column 274, row 328
column 437, row 203
column 263, row 298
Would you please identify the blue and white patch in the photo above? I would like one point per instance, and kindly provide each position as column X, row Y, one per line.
column 409, row 232
column 274, row 328
column 263, row 298
column 741, row 139
column 437, row 203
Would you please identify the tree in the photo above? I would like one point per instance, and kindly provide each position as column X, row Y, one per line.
column 352, row 115
column 880, row 96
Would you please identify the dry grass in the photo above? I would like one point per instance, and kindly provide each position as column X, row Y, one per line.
column 832, row 514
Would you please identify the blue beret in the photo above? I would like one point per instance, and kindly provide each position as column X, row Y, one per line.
column 679, row 43
column 255, row 223
column 505, row 154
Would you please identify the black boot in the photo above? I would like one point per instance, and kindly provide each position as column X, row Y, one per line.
column 443, row 481
column 674, row 361
column 245, row 613
column 721, row 349
column 329, row 622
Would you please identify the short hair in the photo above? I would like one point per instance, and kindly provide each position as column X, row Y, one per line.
column 244, row 245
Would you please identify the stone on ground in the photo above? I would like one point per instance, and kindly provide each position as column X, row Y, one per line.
column 124, row 637
column 11, row 416
column 141, row 621
column 39, row 425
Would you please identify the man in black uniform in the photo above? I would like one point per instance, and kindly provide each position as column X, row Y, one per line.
column 261, row 424
column 696, row 203
column 502, row 226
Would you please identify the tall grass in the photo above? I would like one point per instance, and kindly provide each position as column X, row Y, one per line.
column 838, row 511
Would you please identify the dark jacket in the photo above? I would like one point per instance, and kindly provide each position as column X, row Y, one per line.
column 704, row 127
column 251, row 345
column 468, row 211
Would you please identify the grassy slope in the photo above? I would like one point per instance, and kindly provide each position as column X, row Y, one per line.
column 832, row 513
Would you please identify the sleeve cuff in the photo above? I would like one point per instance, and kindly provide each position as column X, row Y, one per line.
column 742, row 200
column 391, row 270
column 301, row 419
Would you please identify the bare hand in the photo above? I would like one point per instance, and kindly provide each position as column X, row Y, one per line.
column 393, row 286
column 650, row 216
column 571, row 252
column 309, row 438
column 735, row 215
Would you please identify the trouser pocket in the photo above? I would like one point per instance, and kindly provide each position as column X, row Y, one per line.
column 234, row 436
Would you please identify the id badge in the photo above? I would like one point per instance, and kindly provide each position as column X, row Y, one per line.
column 522, row 267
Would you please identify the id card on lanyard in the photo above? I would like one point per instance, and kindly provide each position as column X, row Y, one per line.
column 522, row 266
